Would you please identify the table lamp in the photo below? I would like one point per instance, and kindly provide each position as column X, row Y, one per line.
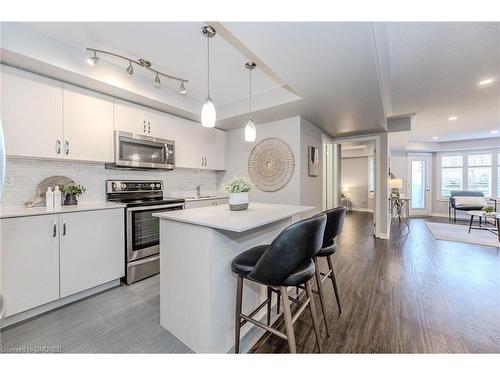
column 395, row 184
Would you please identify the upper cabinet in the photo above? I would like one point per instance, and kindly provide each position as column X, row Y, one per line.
column 32, row 114
column 88, row 125
column 46, row 118
column 137, row 119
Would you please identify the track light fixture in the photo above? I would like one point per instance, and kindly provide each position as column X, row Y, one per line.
column 208, row 113
column 130, row 69
column 143, row 63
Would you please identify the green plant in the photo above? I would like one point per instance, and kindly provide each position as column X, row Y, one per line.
column 238, row 185
column 73, row 189
column 488, row 210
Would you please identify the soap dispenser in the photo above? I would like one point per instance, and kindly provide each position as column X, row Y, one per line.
column 49, row 199
column 57, row 197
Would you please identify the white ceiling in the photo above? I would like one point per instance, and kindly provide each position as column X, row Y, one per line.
column 434, row 71
column 343, row 77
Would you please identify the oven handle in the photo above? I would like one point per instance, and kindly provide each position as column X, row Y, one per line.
column 158, row 207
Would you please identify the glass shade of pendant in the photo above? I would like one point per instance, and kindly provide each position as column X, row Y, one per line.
column 208, row 114
column 250, row 131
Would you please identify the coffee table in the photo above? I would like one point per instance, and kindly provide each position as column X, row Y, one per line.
column 495, row 229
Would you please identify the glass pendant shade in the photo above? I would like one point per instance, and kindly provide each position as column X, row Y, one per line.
column 250, row 131
column 208, row 114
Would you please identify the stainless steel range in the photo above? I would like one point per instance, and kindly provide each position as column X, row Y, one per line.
column 142, row 229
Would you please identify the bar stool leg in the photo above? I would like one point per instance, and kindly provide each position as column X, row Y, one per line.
column 334, row 282
column 312, row 309
column 288, row 319
column 269, row 298
column 278, row 297
column 321, row 294
column 237, row 319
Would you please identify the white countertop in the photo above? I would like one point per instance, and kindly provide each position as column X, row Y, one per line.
column 220, row 217
column 9, row 212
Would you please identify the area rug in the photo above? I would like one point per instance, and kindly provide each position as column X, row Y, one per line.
column 459, row 233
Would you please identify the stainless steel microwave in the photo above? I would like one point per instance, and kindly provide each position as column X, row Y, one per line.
column 134, row 151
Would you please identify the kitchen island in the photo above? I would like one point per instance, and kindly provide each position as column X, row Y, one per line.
column 197, row 287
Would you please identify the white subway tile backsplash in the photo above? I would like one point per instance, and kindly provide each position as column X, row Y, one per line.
column 23, row 175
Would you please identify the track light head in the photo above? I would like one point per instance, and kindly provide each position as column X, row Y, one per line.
column 183, row 89
column 93, row 59
column 157, row 81
column 130, row 69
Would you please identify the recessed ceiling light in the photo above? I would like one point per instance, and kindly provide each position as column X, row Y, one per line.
column 486, row 81
column 435, row 137
column 494, row 131
column 452, row 118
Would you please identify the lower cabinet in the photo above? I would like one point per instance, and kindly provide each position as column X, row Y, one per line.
column 30, row 262
column 92, row 249
column 206, row 203
column 48, row 257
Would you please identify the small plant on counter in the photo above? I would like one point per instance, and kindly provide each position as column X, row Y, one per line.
column 238, row 189
column 238, row 185
column 72, row 191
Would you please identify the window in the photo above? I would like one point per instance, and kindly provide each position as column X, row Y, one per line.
column 451, row 174
column 475, row 171
column 479, row 173
column 498, row 175
column 371, row 175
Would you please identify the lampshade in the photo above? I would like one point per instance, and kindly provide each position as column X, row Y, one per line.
column 395, row 183
column 345, row 188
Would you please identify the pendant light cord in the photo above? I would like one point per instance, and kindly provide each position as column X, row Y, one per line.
column 250, row 111
column 208, row 67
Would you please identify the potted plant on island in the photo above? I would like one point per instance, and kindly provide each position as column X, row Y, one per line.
column 72, row 191
column 238, row 189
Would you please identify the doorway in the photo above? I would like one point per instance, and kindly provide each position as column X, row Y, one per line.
column 419, row 184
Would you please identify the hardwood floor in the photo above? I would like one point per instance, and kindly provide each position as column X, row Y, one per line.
column 411, row 294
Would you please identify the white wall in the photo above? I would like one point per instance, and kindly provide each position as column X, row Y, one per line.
column 298, row 133
column 23, row 176
column 354, row 174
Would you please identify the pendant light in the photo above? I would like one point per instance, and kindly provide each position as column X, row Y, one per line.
column 250, row 130
column 208, row 114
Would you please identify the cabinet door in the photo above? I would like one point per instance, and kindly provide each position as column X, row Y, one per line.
column 32, row 114
column 130, row 117
column 213, row 147
column 88, row 125
column 30, row 262
column 92, row 249
column 161, row 124
column 187, row 137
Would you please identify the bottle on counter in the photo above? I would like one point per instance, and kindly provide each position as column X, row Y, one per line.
column 49, row 199
column 57, row 197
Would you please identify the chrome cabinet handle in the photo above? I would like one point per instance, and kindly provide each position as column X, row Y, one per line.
column 54, row 229
column 206, row 161
column 202, row 161
column 149, row 127
column 64, row 228
column 58, row 146
column 144, row 130
column 67, row 147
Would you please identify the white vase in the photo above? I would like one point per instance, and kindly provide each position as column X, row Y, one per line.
column 238, row 201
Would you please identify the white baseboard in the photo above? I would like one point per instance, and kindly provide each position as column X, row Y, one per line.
column 57, row 303
column 383, row 236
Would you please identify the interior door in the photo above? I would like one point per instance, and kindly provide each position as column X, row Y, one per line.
column 419, row 184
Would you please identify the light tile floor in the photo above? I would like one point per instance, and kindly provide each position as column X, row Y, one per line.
column 125, row 319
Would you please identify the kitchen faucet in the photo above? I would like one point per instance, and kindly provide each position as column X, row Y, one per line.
column 197, row 187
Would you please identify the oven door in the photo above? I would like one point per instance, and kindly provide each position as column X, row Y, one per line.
column 139, row 151
column 143, row 230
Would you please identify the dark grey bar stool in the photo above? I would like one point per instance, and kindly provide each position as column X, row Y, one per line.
column 286, row 262
column 334, row 224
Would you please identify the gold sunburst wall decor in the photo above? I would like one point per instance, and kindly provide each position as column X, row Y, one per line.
column 271, row 164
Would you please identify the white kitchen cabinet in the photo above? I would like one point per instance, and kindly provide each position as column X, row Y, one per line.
column 198, row 147
column 206, row 203
column 92, row 249
column 30, row 262
column 48, row 257
column 137, row 119
column 32, row 114
column 88, row 125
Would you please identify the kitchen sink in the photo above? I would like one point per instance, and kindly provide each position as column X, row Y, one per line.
column 202, row 197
